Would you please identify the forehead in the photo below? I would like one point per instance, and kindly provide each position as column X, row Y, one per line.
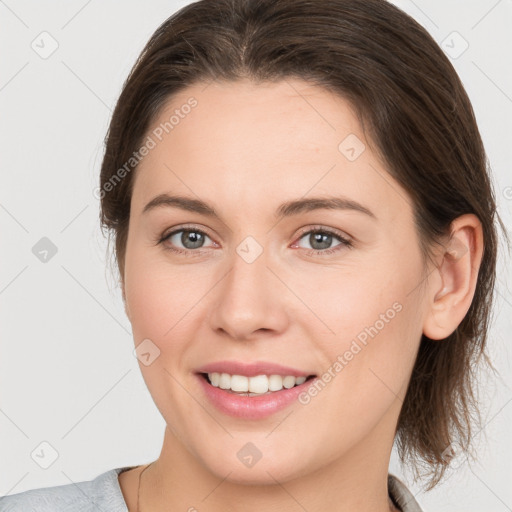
column 232, row 120
column 242, row 141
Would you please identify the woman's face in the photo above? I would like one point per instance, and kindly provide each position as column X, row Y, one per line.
column 250, row 281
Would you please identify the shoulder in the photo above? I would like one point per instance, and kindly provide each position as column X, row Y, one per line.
column 101, row 493
column 401, row 495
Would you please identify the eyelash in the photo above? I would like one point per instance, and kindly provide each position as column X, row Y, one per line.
column 344, row 242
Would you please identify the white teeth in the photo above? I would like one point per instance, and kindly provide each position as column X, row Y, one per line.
column 239, row 383
column 289, row 382
column 275, row 383
column 224, row 381
column 259, row 384
column 215, row 378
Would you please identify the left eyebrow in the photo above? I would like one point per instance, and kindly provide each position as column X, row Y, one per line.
column 284, row 210
column 316, row 203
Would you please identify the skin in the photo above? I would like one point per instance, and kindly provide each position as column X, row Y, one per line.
column 245, row 149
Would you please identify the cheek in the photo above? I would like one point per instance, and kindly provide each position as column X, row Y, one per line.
column 367, row 362
column 368, row 326
column 148, row 303
column 161, row 299
column 360, row 300
column 160, row 295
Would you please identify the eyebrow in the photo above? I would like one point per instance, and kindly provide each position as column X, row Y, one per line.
column 284, row 210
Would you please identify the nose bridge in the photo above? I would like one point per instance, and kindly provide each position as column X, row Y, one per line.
column 247, row 282
column 248, row 299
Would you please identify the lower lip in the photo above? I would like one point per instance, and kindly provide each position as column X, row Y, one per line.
column 252, row 407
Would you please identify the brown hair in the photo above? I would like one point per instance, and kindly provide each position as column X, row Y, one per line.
column 410, row 99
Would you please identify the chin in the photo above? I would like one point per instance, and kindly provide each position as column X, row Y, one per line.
column 258, row 475
column 266, row 467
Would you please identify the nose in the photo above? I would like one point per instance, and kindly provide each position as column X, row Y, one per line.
column 249, row 301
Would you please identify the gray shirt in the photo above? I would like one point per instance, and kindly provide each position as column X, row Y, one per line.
column 103, row 494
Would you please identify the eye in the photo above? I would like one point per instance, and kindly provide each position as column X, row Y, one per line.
column 320, row 241
column 185, row 240
column 189, row 241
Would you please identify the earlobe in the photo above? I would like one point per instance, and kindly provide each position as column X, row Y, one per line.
column 458, row 271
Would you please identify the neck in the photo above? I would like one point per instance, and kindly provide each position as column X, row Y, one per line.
column 356, row 481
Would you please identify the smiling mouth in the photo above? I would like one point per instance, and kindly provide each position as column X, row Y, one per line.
column 254, row 386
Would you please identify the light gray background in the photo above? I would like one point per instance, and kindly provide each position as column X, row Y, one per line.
column 67, row 372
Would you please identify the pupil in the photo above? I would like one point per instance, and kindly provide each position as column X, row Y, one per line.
column 320, row 240
column 191, row 239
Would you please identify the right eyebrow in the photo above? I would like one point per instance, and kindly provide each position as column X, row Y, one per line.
column 182, row 202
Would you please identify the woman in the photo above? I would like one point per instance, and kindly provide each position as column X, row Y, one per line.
column 305, row 233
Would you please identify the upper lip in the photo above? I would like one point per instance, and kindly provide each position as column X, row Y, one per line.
column 252, row 369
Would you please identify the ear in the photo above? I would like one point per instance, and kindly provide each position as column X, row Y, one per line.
column 452, row 292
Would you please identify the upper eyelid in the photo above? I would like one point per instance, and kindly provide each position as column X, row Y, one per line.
column 331, row 231
column 173, row 231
